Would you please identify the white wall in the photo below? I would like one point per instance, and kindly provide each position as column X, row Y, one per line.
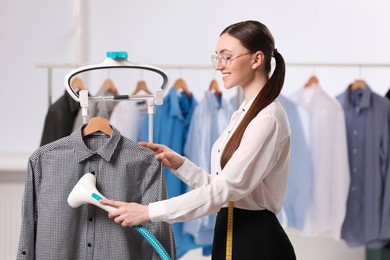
column 180, row 32
column 177, row 32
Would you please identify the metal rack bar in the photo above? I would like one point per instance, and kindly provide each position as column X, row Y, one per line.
column 51, row 66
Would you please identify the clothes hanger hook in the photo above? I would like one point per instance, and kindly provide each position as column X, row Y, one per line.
column 105, row 105
column 360, row 71
column 180, row 71
column 214, row 73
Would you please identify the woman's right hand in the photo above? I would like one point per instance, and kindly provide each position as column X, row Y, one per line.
column 168, row 157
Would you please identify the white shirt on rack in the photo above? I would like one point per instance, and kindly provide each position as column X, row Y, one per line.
column 255, row 177
column 129, row 119
column 324, row 127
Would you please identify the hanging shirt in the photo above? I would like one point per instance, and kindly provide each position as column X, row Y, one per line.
column 170, row 127
column 129, row 117
column 124, row 171
column 300, row 178
column 210, row 118
column 255, row 177
column 60, row 119
column 324, row 126
column 367, row 221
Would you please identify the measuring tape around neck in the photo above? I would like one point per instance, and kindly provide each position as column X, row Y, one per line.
column 229, row 235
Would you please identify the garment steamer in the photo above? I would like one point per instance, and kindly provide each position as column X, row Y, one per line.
column 115, row 60
column 85, row 192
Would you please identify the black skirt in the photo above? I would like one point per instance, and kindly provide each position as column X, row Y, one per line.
column 256, row 235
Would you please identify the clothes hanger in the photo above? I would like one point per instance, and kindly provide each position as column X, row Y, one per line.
column 358, row 83
column 109, row 86
column 97, row 124
column 215, row 87
column 77, row 83
column 312, row 81
column 181, row 84
column 141, row 86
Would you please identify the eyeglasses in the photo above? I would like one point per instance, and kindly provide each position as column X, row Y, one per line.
column 224, row 60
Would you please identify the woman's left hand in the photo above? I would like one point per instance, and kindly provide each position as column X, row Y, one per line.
column 127, row 214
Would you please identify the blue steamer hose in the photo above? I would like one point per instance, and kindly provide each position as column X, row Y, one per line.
column 160, row 250
column 152, row 241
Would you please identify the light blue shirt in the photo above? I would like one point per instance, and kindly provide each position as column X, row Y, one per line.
column 210, row 118
column 367, row 221
column 300, row 179
column 170, row 127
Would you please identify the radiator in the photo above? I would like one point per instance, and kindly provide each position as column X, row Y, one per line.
column 10, row 217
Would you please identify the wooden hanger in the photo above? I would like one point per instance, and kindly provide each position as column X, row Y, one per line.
column 358, row 83
column 141, row 86
column 98, row 124
column 214, row 87
column 77, row 83
column 109, row 86
column 312, row 81
column 181, row 84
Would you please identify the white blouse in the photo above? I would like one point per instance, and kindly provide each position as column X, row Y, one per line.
column 255, row 177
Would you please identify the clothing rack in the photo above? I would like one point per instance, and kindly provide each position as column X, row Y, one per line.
column 51, row 66
column 330, row 64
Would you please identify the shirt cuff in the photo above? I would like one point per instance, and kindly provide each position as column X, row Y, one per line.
column 185, row 171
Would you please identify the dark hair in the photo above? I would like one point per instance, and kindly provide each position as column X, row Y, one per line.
column 255, row 36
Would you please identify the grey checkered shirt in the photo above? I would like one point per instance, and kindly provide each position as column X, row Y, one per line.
column 124, row 171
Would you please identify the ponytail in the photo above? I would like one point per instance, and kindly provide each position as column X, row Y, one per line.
column 266, row 96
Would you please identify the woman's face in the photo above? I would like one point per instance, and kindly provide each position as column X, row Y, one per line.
column 234, row 62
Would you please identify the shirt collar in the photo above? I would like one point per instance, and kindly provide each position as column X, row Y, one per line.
column 308, row 96
column 243, row 107
column 214, row 100
column 174, row 103
column 179, row 102
column 83, row 152
column 364, row 101
column 246, row 105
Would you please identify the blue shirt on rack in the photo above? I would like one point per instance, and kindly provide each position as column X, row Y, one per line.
column 210, row 118
column 367, row 221
column 170, row 127
column 300, row 179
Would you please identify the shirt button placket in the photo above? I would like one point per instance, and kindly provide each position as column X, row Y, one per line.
column 93, row 166
column 90, row 233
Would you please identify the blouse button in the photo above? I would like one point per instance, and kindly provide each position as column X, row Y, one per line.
column 216, row 173
column 89, row 244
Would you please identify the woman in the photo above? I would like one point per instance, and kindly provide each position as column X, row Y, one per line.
column 250, row 159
